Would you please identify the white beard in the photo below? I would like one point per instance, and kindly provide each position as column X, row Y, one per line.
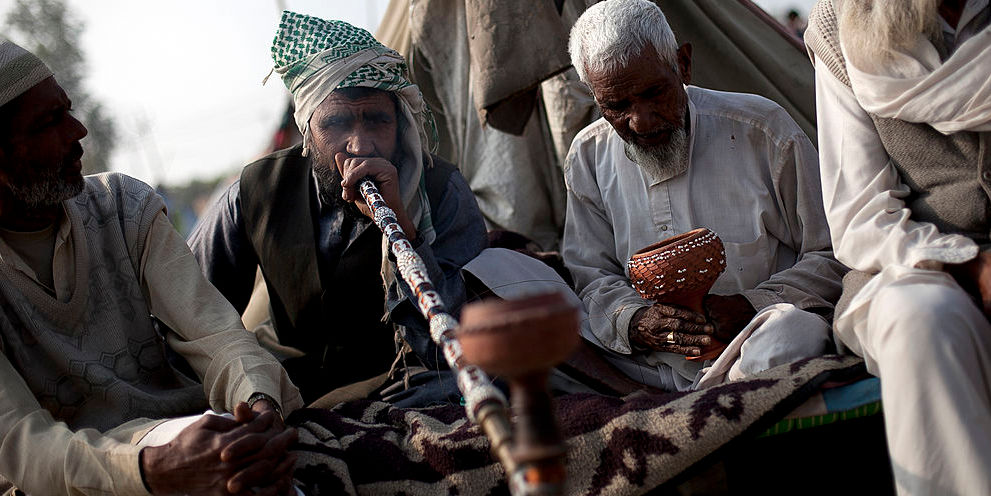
column 661, row 162
column 872, row 30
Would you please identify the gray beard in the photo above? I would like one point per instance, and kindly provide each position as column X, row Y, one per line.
column 872, row 30
column 47, row 190
column 664, row 161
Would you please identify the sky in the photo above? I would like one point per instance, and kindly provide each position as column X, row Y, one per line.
column 182, row 78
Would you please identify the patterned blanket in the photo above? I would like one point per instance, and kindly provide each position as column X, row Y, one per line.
column 624, row 445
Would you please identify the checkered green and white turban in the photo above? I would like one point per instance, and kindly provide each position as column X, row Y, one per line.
column 314, row 57
column 20, row 71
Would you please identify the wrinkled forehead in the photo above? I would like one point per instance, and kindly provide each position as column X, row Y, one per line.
column 361, row 100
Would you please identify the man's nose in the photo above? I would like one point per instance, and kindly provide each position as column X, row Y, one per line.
column 644, row 120
column 360, row 145
column 77, row 130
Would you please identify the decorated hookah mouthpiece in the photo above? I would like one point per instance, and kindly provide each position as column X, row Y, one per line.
column 680, row 270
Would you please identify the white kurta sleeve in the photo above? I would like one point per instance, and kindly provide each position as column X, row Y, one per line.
column 207, row 330
column 589, row 252
column 863, row 194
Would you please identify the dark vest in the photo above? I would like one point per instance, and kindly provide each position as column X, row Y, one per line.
column 334, row 312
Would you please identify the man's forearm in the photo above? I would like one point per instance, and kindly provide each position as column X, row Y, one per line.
column 815, row 282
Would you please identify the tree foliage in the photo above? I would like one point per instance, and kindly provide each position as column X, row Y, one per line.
column 50, row 30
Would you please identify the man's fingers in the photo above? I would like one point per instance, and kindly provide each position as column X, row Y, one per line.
column 691, row 328
column 244, row 447
column 238, row 442
column 243, row 413
column 680, row 313
column 357, row 168
column 283, row 473
column 267, row 444
column 692, row 339
column 257, row 474
column 283, row 440
column 682, row 350
column 216, row 423
column 669, row 325
column 286, row 466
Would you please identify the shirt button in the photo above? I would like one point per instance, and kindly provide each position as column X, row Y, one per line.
column 664, row 227
column 986, row 175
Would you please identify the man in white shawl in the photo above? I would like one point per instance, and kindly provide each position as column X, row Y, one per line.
column 297, row 215
column 903, row 92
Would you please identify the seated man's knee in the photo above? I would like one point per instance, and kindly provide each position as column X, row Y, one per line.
column 917, row 320
column 789, row 334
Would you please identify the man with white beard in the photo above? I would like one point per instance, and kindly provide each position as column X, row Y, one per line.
column 904, row 110
column 667, row 158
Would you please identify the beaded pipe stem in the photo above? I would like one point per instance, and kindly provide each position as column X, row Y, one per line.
column 484, row 403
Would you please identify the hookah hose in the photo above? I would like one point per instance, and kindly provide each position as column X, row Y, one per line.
column 484, row 403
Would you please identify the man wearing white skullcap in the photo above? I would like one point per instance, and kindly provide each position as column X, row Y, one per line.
column 84, row 367
column 298, row 215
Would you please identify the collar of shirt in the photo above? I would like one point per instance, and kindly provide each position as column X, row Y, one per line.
column 10, row 256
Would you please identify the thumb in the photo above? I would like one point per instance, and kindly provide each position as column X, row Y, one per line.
column 339, row 159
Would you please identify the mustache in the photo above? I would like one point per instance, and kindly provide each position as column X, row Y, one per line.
column 75, row 153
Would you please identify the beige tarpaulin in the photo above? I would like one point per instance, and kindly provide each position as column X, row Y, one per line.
column 513, row 46
column 393, row 30
column 517, row 177
column 736, row 49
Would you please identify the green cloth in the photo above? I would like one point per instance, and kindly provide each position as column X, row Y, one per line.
column 306, row 45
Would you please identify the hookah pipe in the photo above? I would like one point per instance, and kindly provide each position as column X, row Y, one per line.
column 534, row 462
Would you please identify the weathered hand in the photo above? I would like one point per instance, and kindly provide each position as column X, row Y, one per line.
column 268, row 465
column 975, row 277
column 386, row 177
column 214, row 452
column 728, row 315
column 672, row 329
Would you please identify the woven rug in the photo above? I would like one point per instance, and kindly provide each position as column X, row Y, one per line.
column 616, row 446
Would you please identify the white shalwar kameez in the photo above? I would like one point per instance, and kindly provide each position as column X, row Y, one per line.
column 916, row 329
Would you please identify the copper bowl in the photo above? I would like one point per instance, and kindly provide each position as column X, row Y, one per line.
column 516, row 337
column 679, row 270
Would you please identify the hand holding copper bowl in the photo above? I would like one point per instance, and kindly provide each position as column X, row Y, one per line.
column 680, row 271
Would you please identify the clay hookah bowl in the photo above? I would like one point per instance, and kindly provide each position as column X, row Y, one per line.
column 680, row 270
column 520, row 340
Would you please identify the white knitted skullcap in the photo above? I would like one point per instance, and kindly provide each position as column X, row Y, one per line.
column 20, row 71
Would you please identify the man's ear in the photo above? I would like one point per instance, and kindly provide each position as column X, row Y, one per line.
column 685, row 63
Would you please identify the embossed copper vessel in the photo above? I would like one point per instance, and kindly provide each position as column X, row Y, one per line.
column 679, row 270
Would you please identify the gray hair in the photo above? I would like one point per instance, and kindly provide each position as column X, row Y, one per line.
column 610, row 32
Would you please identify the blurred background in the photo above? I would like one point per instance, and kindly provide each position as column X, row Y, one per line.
column 172, row 92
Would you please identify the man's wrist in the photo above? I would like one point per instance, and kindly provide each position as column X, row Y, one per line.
column 256, row 397
column 633, row 331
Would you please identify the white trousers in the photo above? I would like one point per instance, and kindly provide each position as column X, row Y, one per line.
column 931, row 346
